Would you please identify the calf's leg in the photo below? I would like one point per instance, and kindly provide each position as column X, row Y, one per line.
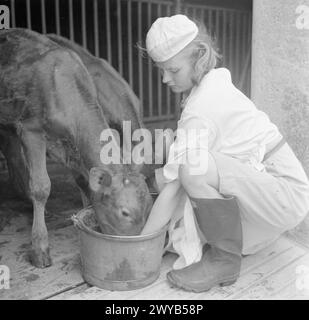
column 34, row 146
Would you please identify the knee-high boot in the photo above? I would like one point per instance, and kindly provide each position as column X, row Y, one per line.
column 219, row 220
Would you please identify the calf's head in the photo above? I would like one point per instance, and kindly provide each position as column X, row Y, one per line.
column 121, row 201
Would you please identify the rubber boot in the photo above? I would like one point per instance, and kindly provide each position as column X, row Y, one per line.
column 219, row 221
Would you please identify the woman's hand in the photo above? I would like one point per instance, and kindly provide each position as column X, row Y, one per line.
column 163, row 207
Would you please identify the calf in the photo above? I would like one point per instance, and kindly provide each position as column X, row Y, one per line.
column 49, row 104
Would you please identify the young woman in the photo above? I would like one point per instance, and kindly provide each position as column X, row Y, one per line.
column 249, row 186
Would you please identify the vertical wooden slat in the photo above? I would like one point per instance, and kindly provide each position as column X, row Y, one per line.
column 29, row 26
column 245, row 49
column 84, row 35
column 245, row 56
column 159, row 13
column 190, row 12
column 71, row 20
column 194, row 13
column 43, row 16
column 218, row 33
column 13, row 19
column 129, row 12
column 140, row 65
column 231, row 20
column 224, row 37
column 245, row 61
column 149, row 64
column 178, row 6
column 244, row 35
column 249, row 28
column 186, row 11
column 96, row 28
column 200, row 14
column 210, row 26
column 108, row 30
column 203, row 17
column 249, row 47
column 57, row 13
column 237, row 49
column 120, row 68
column 168, row 92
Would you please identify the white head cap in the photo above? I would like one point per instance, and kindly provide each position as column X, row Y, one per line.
column 169, row 35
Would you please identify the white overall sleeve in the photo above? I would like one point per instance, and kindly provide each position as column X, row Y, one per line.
column 195, row 136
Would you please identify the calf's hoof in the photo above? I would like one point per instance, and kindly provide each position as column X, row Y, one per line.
column 40, row 258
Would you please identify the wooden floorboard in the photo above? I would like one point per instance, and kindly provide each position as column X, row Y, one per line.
column 271, row 285
column 290, row 292
column 263, row 276
column 249, row 265
column 257, row 271
column 28, row 282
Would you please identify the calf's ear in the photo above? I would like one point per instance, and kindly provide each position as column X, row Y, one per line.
column 99, row 179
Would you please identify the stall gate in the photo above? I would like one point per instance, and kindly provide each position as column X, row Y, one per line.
column 114, row 29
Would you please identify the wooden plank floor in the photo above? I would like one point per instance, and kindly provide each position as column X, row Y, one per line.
column 269, row 274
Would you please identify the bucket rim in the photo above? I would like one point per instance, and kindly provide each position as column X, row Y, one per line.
column 79, row 223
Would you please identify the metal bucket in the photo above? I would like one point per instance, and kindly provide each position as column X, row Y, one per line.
column 118, row 262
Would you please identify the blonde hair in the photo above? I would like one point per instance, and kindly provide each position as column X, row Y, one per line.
column 205, row 55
